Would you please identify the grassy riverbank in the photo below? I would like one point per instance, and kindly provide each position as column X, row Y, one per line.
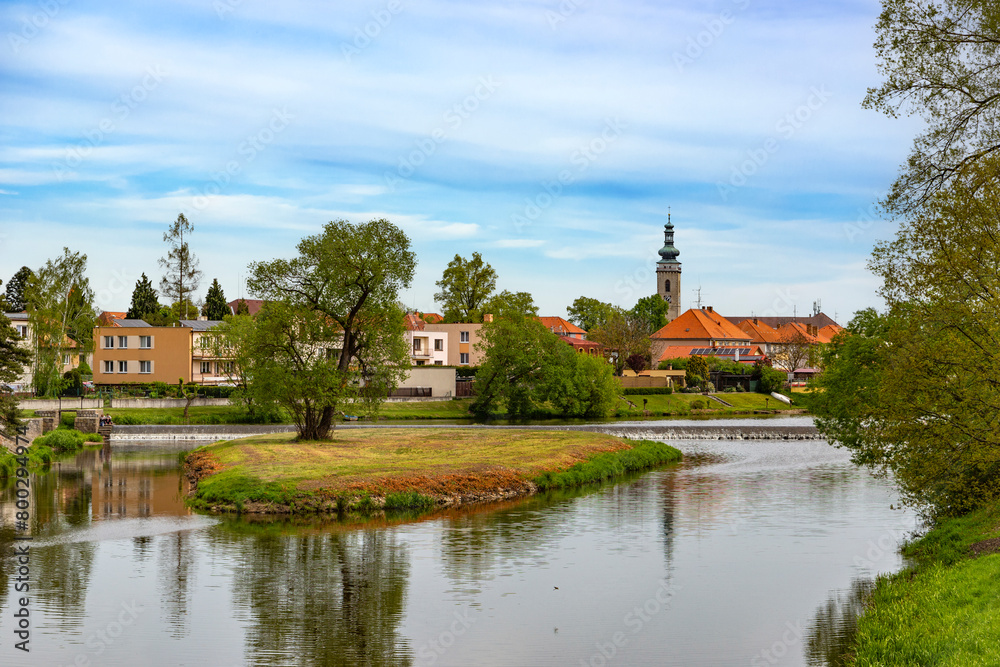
column 367, row 469
column 945, row 609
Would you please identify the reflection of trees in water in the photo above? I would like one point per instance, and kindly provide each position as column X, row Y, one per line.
column 176, row 569
column 327, row 599
column 832, row 630
column 60, row 576
column 668, row 509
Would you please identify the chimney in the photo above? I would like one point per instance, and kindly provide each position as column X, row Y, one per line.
column 487, row 317
column 710, row 309
column 755, row 321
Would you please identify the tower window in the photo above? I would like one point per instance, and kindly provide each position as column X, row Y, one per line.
column 666, row 286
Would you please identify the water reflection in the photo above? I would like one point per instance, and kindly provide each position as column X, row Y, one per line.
column 835, row 624
column 320, row 599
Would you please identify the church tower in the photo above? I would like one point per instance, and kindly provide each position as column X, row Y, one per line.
column 668, row 272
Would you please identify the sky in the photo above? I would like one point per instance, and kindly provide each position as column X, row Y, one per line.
column 552, row 137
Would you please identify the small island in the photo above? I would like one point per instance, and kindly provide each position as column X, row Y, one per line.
column 365, row 470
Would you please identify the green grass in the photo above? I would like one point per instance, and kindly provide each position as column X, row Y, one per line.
column 680, row 404
column 67, row 439
column 643, row 455
column 405, row 469
column 208, row 414
column 39, row 457
column 945, row 609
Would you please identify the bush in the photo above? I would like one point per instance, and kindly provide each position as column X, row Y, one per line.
column 646, row 391
column 739, row 388
column 729, row 390
column 62, row 440
column 68, row 419
column 709, row 387
column 697, row 404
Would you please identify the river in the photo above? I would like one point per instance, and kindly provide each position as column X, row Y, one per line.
column 749, row 553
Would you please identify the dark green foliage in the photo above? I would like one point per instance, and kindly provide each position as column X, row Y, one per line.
column 241, row 307
column 144, row 300
column 677, row 364
column 73, row 385
column 589, row 314
column 66, row 440
column 647, row 391
column 697, row 404
column 643, row 455
column 697, row 372
column 768, row 379
column 16, row 290
column 506, row 304
column 653, row 311
column 13, row 359
column 68, row 419
column 215, row 307
column 466, row 286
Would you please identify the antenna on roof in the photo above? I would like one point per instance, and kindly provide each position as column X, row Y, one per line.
column 698, row 292
column 817, row 306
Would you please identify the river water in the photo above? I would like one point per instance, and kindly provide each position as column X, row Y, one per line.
column 749, row 553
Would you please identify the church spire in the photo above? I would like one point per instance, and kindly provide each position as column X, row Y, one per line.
column 668, row 253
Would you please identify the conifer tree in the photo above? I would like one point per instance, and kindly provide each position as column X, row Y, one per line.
column 215, row 307
column 144, row 300
column 15, row 289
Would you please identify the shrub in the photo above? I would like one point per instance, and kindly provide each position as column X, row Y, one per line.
column 697, row 404
column 408, row 500
column 68, row 419
column 739, row 388
column 62, row 440
column 729, row 390
column 646, row 391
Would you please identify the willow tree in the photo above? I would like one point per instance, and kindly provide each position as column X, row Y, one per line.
column 331, row 333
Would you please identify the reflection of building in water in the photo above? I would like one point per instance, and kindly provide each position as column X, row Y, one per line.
column 138, row 488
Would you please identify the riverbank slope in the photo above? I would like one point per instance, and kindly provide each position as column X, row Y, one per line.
column 365, row 469
column 943, row 610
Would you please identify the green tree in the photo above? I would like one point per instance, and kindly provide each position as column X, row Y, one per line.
column 216, row 307
column 13, row 359
column 697, row 372
column 507, row 304
column 241, row 307
column 331, row 332
column 183, row 310
column 916, row 392
column 941, row 61
column 144, row 300
column 16, row 290
column 181, row 275
column 589, row 314
column 622, row 335
column 653, row 311
column 466, row 286
column 526, row 368
column 60, row 306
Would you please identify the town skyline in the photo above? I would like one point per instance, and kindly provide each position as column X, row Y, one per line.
column 552, row 138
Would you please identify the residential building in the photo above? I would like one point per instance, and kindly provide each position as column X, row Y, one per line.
column 697, row 328
column 68, row 353
column 761, row 334
column 132, row 352
column 463, row 340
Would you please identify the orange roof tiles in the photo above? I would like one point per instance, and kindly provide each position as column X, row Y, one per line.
column 559, row 326
column 827, row 333
column 698, row 324
column 759, row 331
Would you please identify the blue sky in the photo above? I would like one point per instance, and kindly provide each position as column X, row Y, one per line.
column 550, row 136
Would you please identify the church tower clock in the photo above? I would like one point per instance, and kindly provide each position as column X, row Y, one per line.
column 668, row 272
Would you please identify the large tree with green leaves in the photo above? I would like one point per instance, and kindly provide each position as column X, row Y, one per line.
column 653, row 311
column 181, row 275
column 144, row 300
column 916, row 392
column 13, row 359
column 466, row 286
column 623, row 334
column 60, row 309
column 507, row 303
column 16, row 287
column 331, row 334
column 215, row 307
column 588, row 313
column 527, row 368
column 941, row 61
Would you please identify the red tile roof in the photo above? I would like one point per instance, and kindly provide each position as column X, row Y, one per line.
column 431, row 318
column 414, row 322
column 684, row 351
column 796, row 331
column 108, row 317
column 253, row 305
column 827, row 333
column 760, row 331
column 698, row 324
column 560, row 327
column 584, row 346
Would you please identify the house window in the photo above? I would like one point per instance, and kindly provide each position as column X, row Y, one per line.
column 464, row 337
column 438, row 344
column 145, row 366
column 65, row 359
column 22, row 331
column 123, row 342
column 416, row 344
column 226, row 367
column 109, row 367
column 206, row 367
column 439, row 363
column 123, row 367
column 463, row 358
column 421, row 362
column 145, row 342
column 109, row 342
